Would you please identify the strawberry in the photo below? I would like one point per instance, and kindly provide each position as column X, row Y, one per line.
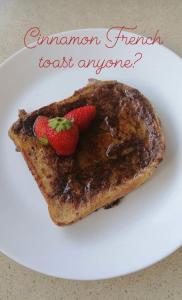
column 40, row 127
column 82, row 116
column 63, row 135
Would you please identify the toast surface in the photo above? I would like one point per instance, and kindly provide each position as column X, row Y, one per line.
column 119, row 151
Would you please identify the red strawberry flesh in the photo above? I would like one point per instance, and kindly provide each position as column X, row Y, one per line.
column 82, row 116
column 63, row 135
column 40, row 128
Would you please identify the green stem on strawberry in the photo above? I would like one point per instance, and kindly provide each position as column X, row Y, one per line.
column 60, row 124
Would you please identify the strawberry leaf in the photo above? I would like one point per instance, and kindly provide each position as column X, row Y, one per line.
column 60, row 124
column 43, row 140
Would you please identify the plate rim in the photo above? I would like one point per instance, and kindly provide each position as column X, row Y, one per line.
column 91, row 278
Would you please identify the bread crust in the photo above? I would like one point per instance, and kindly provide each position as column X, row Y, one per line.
column 119, row 152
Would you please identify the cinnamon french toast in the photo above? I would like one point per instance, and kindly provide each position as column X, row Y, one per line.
column 118, row 152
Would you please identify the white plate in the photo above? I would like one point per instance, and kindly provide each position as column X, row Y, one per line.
column 146, row 226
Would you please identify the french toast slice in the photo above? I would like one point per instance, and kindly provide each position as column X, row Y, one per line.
column 119, row 152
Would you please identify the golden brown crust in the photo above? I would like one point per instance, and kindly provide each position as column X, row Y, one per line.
column 118, row 153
